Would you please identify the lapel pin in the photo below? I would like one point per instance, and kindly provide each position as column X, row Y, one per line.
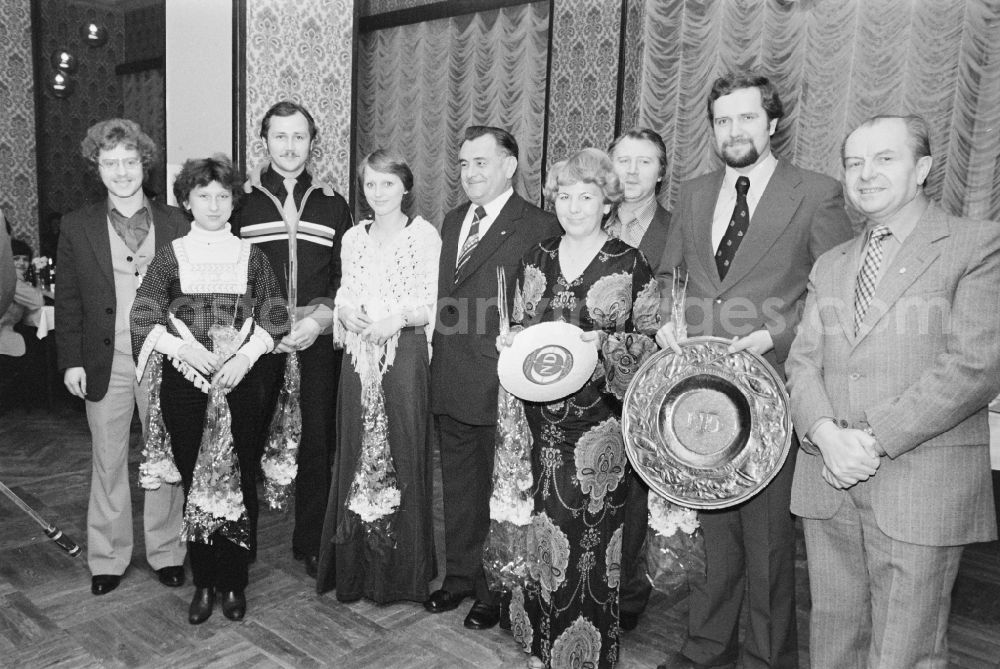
column 902, row 270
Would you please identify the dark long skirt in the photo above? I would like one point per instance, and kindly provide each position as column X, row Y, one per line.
column 354, row 567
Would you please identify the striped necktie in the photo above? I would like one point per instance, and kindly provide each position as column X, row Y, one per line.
column 470, row 242
column 864, row 289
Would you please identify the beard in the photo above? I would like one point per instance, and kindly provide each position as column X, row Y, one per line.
column 737, row 161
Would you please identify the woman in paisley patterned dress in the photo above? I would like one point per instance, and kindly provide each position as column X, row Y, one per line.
column 567, row 613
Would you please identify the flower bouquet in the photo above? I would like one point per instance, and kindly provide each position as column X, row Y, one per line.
column 215, row 500
column 280, row 460
column 374, row 496
column 157, row 466
column 674, row 545
column 505, row 551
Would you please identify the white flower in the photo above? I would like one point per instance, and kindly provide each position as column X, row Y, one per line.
column 517, row 512
column 666, row 518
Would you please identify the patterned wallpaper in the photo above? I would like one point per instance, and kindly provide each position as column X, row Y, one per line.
column 18, row 184
column 632, row 67
column 66, row 180
column 584, row 78
column 302, row 51
column 144, row 97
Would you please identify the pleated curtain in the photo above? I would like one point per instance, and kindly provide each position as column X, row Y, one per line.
column 420, row 85
column 835, row 62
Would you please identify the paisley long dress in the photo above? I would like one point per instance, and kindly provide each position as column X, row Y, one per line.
column 567, row 614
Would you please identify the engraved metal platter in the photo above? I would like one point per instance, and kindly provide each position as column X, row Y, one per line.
column 706, row 429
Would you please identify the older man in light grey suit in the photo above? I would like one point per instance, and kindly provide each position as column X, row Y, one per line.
column 891, row 372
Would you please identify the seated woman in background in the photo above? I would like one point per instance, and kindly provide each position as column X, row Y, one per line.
column 21, row 357
column 384, row 318
column 210, row 303
column 567, row 615
column 27, row 299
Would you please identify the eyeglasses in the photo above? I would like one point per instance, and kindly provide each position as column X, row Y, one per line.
column 127, row 163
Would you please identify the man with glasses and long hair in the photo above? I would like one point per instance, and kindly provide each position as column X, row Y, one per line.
column 104, row 249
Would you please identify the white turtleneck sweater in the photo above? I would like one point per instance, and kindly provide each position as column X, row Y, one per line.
column 213, row 262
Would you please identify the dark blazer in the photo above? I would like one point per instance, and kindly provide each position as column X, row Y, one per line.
column 464, row 364
column 655, row 239
column 85, row 300
column 799, row 217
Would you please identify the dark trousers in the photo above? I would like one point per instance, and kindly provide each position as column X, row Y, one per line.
column 749, row 547
column 633, row 594
column 221, row 564
column 320, row 366
column 466, row 481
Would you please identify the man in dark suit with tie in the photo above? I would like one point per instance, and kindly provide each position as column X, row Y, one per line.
column 493, row 230
column 890, row 376
column 747, row 236
column 639, row 157
column 104, row 249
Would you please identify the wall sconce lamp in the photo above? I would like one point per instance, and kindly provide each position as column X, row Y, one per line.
column 93, row 34
column 61, row 84
column 63, row 60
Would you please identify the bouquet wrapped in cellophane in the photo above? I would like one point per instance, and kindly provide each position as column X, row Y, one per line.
column 674, row 545
column 505, row 552
column 215, row 501
column 374, row 496
column 280, row 460
column 157, row 466
column 511, row 503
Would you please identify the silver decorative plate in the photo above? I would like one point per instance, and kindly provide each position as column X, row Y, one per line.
column 706, row 429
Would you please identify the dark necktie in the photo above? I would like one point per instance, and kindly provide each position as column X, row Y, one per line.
column 737, row 229
column 864, row 289
column 470, row 242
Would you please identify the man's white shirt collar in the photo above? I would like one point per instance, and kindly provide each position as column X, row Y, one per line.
column 759, row 177
column 492, row 208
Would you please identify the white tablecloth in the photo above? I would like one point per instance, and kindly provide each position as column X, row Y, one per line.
column 44, row 319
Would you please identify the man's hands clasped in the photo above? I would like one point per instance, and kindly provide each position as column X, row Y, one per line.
column 849, row 456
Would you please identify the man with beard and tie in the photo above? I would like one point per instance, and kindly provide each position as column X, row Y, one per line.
column 298, row 223
column 746, row 236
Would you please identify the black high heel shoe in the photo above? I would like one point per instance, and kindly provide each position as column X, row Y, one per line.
column 201, row 605
column 234, row 605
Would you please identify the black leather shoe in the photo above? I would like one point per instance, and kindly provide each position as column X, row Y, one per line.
column 234, row 605
column 628, row 621
column 312, row 565
column 482, row 616
column 201, row 605
column 442, row 600
column 678, row 660
column 172, row 577
column 102, row 584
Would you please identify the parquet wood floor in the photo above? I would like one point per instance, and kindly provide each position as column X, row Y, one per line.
column 48, row 618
